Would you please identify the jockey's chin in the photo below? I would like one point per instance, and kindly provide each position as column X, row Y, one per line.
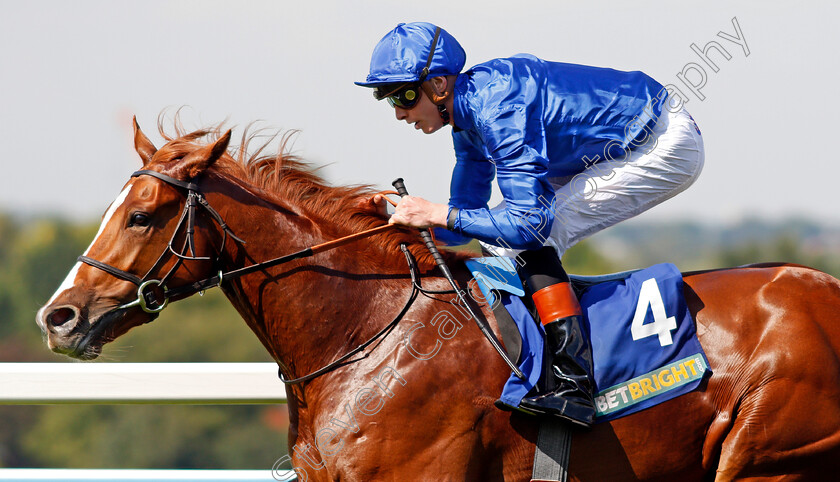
column 428, row 127
column 424, row 116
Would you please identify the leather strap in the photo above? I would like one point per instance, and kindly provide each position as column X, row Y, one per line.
column 167, row 179
column 551, row 458
column 116, row 272
column 195, row 199
column 508, row 329
column 425, row 71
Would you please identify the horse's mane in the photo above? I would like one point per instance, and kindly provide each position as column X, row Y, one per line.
column 346, row 209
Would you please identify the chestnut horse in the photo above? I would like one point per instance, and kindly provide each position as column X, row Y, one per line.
column 417, row 403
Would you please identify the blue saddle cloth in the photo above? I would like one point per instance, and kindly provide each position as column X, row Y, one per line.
column 644, row 344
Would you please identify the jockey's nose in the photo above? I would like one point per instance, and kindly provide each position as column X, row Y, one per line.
column 61, row 319
column 400, row 113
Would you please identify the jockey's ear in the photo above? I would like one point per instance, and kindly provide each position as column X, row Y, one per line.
column 142, row 144
column 197, row 161
column 438, row 88
column 440, row 85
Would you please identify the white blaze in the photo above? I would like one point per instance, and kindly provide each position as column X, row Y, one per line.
column 70, row 280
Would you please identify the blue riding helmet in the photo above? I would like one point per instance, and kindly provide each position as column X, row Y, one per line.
column 403, row 54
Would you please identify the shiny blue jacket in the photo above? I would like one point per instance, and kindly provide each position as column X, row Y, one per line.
column 524, row 120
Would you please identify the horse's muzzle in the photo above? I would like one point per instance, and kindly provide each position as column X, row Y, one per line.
column 68, row 332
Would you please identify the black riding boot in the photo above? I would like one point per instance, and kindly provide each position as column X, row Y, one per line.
column 569, row 359
column 568, row 393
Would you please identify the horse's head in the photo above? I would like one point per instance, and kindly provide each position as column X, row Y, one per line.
column 142, row 246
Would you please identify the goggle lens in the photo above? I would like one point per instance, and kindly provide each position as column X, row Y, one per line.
column 405, row 99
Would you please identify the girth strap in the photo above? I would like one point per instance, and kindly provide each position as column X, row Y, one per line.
column 551, row 458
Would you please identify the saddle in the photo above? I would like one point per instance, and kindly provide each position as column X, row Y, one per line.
column 644, row 344
column 508, row 327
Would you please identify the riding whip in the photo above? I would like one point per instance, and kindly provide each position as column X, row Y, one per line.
column 399, row 185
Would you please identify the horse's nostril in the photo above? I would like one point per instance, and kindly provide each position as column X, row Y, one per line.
column 61, row 316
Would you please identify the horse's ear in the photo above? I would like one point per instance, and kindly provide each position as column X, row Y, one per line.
column 142, row 144
column 197, row 161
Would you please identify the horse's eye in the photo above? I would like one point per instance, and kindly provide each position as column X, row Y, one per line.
column 139, row 219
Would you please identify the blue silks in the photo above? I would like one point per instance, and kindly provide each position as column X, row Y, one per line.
column 524, row 120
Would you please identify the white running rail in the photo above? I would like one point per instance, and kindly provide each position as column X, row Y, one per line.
column 137, row 475
column 140, row 383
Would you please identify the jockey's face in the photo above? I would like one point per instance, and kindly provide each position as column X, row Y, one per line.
column 424, row 115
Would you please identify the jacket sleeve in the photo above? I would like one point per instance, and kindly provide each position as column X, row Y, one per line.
column 517, row 149
column 472, row 183
column 470, row 188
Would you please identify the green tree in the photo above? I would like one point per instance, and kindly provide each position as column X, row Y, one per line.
column 154, row 436
column 783, row 248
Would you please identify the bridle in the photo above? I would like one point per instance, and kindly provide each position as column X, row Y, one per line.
column 147, row 298
column 149, row 289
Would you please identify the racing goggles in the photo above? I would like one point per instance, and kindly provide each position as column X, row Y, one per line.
column 404, row 96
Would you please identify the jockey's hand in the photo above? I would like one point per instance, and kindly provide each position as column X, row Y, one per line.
column 418, row 213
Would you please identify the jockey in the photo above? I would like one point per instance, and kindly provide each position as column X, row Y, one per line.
column 574, row 149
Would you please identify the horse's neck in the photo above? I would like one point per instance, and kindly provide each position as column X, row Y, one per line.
column 308, row 312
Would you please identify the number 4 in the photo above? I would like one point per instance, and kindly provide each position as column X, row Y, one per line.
column 662, row 324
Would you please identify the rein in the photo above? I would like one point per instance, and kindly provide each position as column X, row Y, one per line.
column 343, row 360
column 147, row 295
column 217, row 280
column 146, row 299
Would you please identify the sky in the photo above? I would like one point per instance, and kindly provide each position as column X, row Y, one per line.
column 72, row 74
